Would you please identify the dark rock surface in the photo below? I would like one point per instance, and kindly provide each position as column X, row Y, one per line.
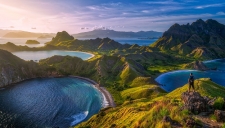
column 220, row 115
column 201, row 39
column 194, row 102
column 190, row 122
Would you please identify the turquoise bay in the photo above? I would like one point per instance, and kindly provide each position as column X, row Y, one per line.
column 37, row 55
column 49, row 102
column 175, row 79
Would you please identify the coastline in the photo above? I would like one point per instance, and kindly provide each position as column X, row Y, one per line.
column 107, row 97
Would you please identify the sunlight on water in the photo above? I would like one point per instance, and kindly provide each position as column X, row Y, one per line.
column 49, row 102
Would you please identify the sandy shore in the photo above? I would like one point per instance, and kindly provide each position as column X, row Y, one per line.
column 108, row 100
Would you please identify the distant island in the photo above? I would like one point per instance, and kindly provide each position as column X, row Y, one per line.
column 99, row 33
column 148, row 38
column 32, row 42
column 24, row 34
column 129, row 73
column 44, row 36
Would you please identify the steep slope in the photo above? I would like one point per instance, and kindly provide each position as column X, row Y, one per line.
column 14, row 69
column 60, row 36
column 65, row 41
column 201, row 39
column 154, row 113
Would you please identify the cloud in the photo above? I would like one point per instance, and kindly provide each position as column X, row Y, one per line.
column 145, row 11
column 161, row 2
column 3, row 6
column 209, row 5
column 220, row 13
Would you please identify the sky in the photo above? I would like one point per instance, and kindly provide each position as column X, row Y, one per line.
column 75, row 16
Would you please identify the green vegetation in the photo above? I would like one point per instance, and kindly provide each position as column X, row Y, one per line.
column 32, row 42
column 141, row 111
column 145, row 91
column 128, row 73
column 204, row 86
column 223, row 125
column 190, row 41
column 219, row 103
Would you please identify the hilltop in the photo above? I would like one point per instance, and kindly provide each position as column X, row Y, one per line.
column 66, row 41
column 128, row 73
column 117, row 34
column 165, row 111
column 201, row 39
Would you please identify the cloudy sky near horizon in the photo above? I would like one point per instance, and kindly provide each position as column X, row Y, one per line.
column 84, row 15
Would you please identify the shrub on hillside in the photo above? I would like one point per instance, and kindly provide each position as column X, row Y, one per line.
column 219, row 103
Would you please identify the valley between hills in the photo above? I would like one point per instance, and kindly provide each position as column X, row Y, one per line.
column 128, row 72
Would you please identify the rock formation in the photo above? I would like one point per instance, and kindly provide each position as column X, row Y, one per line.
column 201, row 39
column 194, row 102
column 197, row 65
column 220, row 115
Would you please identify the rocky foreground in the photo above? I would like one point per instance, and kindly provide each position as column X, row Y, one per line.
column 202, row 107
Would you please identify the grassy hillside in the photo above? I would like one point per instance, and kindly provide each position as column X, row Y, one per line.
column 204, row 86
column 147, row 113
column 201, row 39
column 14, row 69
column 144, row 91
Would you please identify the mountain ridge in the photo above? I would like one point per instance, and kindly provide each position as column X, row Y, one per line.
column 201, row 39
column 117, row 34
column 22, row 34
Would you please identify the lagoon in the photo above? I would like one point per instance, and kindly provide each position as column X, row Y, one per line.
column 37, row 55
column 49, row 102
column 171, row 80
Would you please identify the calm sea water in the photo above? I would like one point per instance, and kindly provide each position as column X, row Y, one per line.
column 22, row 41
column 37, row 55
column 48, row 102
column 175, row 79
column 141, row 42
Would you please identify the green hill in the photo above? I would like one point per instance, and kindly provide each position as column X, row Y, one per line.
column 144, row 91
column 201, row 39
column 204, row 86
column 14, row 69
column 148, row 113
column 60, row 36
column 32, row 42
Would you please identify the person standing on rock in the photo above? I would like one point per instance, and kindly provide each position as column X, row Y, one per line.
column 191, row 82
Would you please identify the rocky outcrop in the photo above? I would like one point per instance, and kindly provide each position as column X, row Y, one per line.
column 194, row 102
column 60, row 36
column 220, row 115
column 14, row 69
column 190, row 122
column 197, row 65
column 201, row 39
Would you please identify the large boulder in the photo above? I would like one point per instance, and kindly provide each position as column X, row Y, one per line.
column 194, row 102
column 220, row 115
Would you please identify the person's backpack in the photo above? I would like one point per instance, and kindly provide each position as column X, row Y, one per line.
column 191, row 79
